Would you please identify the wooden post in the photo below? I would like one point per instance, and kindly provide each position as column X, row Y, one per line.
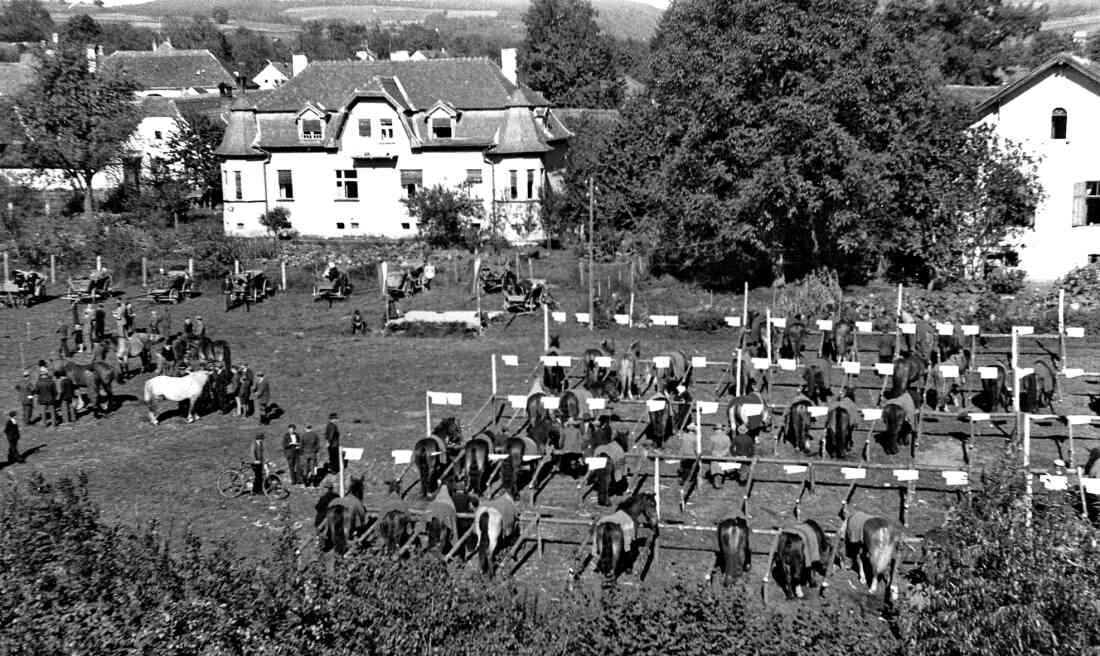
column 630, row 319
column 493, row 366
column 191, row 266
column 530, row 268
column 580, row 273
column 427, row 414
column 1061, row 340
column 737, row 374
column 517, row 264
column 1027, row 468
column 98, row 263
column 236, row 267
column 382, row 273
column 1072, row 457
column 897, row 324
column 7, row 270
column 340, row 466
column 53, row 269
column 144, row 272
column 282, row 271
column 1081, row 491
column 768, row 334
column 591, row 254
column 657, row 486
column 699, row 445
column 1016, row 375
column 545, row 328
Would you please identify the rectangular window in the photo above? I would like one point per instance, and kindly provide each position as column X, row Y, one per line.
column 385, row 129
column 339, row 225
column 354, row 225
column 157, row 135
column 530, row 183
column 441, row 128
column 412, row 180
column 364, row 127
column 238, row 192
column 1094, row 258
column 311, row 129
column 240, row 226
column 286, row 185
column 513, row 184
column 1092, row 202
column 406, row 226
column 473, row 176
column 347, row 184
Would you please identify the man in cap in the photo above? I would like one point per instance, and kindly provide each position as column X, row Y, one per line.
column 26, row 389
column 292, row 448
column 311, row 445
column 98, row 323
column 332, row 441
column 11, row 431
column 66, row 393
column 46, row 394
column 257, row 454
column 244, row 391
column 128, row 318
column 63, row 335
column 262, row 396
column 719, row 443
column 154, row 323
column 89, row 336
column 200, row 327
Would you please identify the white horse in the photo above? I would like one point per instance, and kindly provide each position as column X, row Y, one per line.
column 175, row 388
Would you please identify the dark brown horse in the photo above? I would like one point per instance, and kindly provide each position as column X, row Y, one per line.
column 734, row 555
column 475, row 461
column 839, row 426
column 801, row 551
column 796, row 424
column 816, row 381
column 96, row 378
column 1037, row 389
column 615, row 534
column 432, row 454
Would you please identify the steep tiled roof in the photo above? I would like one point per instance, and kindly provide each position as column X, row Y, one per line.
column 1085, row 68
column 519, row 134
column 171, row 69
column 240, row 132
column 469, row 83
column 155, row 106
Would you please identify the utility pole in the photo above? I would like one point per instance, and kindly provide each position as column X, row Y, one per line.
column 591, row 224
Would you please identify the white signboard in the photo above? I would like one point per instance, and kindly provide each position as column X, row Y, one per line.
column 1054, row 482
column 761, row 363
column 707, row 407
column 559, row 317
column 906, row 474
column 510, row 360
column 582, row 317
column 1091, row 485
column 818, row 411
column 1075, row 331
column 622, row 319
column 1078, row 420
column 970, row 330
column 1023, row 330
column 597, row 404
column 729, row 466
column 949, row 370
column 824, row 324
column 402, row 456
column 779, row 322
column 698, row 361
column 788, row 365
column 517, row 401
column 988, row 373
column 853, row 473
column 496, row 457
column 445, row 398
column 850, row 368
column 664, row 319
column 908, row 328
column 795, row 469
column 871, row 414
column 551, row 402
column 978, row 416
column 352, row 453
column 662, row 361
column 752, row 409
column 655, row 405
column 604, row 361
column 1073, row 373
column 864, row 327
column 884, row 368
column 733, row 322
column 955, row 478
column 945, row 329
column 595, row 463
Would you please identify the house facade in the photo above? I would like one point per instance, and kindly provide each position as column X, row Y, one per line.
column 341, row 144
column 1051, row 113
column 274, row 75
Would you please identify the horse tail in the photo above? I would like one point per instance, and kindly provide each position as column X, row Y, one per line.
column 148, row 392
column 610, row 539
column 879, row 542
column 336, row 532
column 420, row 455
column 509, row 473
column 483, row 555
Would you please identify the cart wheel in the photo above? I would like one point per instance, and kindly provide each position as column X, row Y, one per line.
column 230, row 484
column 174, row 296
column 274, row 487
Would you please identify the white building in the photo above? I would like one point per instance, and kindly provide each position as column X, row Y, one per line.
column 165, row 71
column 1052, row 113
column 340, row 144
column 274, row 75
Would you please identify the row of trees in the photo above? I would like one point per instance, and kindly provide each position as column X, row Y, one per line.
column 777, row 137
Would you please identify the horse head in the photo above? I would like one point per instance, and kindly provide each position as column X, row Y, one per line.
column 355, row 488
column 449, row 430
column 641, row 507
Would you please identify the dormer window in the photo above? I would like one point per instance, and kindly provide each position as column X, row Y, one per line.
column 441, row 120
column 442, row 128
column 1058, row 121
column 312, row 129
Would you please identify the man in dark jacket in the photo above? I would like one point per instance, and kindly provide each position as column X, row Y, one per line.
column 332, row 441
column 63, row 337
column 322, row 504
column 66, row 392
column 262, row 396
column 257, row 455
column 46, row 394
column 311, row 445
column 292, row 448
column 25, row 388
column 244, row 392
column 11, row 431
column 98, row 322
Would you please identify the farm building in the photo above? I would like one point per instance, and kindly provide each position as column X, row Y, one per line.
column 274, row 75
column 1051, row 113
column 341, row 143
column 165, row 71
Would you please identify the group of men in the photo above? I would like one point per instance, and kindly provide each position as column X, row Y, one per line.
column 301, row 452
column 53, row 396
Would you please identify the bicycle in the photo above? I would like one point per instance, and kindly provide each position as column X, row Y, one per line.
column 237, row 482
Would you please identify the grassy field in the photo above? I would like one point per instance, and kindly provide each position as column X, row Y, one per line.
column 140, row 473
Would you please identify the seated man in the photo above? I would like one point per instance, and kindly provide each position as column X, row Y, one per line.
column 357, row 323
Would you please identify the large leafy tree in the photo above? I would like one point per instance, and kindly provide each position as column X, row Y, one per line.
column 25, row 20
column 76, row 120
column 191, row 154
column 781, row 136
column 567, row 57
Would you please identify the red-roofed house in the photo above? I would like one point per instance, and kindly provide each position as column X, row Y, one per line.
column 341, row 143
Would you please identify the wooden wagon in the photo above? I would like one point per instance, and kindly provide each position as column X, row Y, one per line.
column 95, row 287
column 173, row 287
column 529, row 295
column 24, row 289
column 333, row 285
column 247, row 287
column 409, row 281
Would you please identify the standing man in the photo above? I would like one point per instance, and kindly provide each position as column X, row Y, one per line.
column 63, row 335
column 119, row 315
column 332, row 441
column 311, row 445
column 244, row 392
column 188, row 327
column 78, row 337
column 98, row 323
column 26, row 391
column 292, row 448
column 89, row 336
column 128, row 318
column 47, row 398
column 11, row 431
column 66, row 392
column 200, row 327
column 262, row 396
column 154, row 323
column 257, row 454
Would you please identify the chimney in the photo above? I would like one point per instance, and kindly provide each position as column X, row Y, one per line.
column 92, row 61
column 508, row 64
column 298, row 64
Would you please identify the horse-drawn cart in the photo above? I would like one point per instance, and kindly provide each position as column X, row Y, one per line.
column 528, row 296
column 247, row 287
column 173, row 287
column 333, row 285
column 408, row 282
column 24, row 289
column 95, row 287
column 498, row 279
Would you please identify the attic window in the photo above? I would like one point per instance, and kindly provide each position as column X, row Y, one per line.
column 312, row 129
column 1058, row 120
column 442, row 128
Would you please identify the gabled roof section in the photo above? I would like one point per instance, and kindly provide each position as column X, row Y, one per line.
column 519, row 135
column 465, row 83
column 241, row 132
column 444, row 107
column 311, row 108
column 1062, row 61
column 167, row 68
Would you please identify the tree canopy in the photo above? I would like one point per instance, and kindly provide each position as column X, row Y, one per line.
column 567, row 57
column 76, row 120
column 779, row 136
column 25, row 20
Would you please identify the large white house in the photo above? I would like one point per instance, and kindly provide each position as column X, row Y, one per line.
column 1052, row 113
column 341, row 143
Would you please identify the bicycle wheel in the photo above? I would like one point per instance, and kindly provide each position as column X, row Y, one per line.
column 275, row 489
column 230, row 484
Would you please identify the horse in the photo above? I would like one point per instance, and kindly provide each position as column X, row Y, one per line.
column 995, row 391
column 594, row 374
column 672, row 378
column 871, row 544
column 752, row 337
column 839, row 426
column 215, row 351
column 800, row 551
column 816, row 382
column 796, row 424
column 175, row 388
column 515, row 448
column 431, row 453
column 345, row 519
column 1092, row 501
column 734, row 555
column 553, row 377
column 96, row 378
column 628, row 366
column 839, row 343
column 886, row 345
column 614, row 471
column 494, row 522
column 794, row 335
column 897, row 415
column 133, row 346
column 1037, row 388
column 574, row 403
column 907, row 372
column 474, row 461
column 614, row 534
column 395, row 526
column 441, row 521
column 666, row 420
column 745, row 422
